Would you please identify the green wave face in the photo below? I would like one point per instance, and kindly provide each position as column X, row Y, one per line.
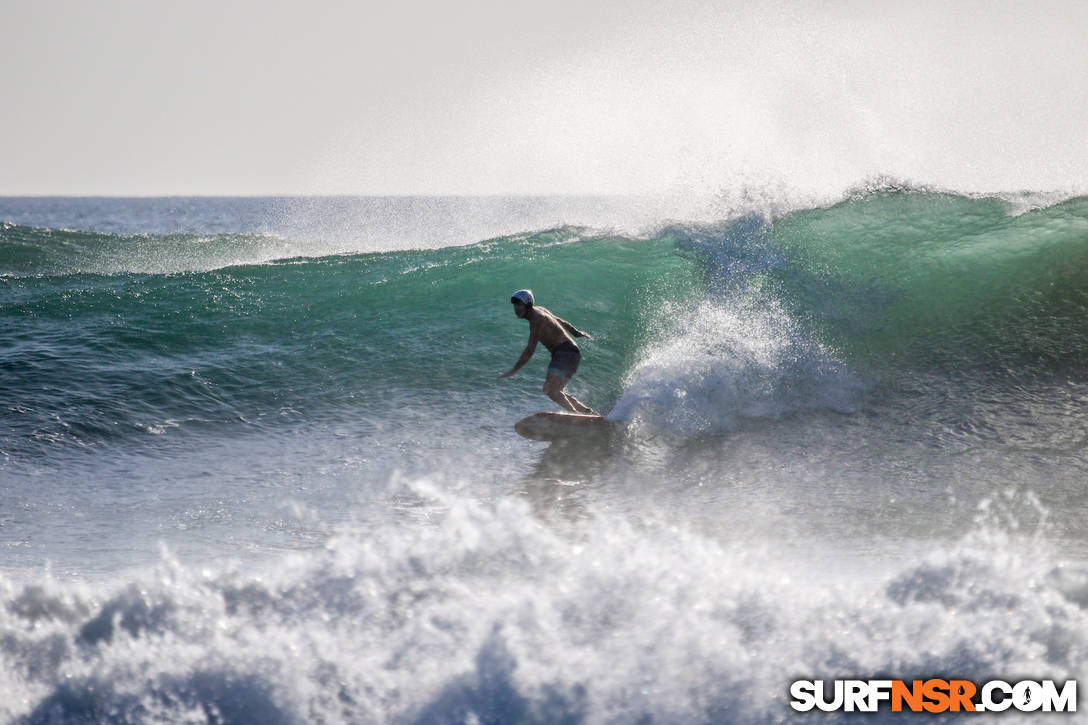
column 941, row 278
column 308, row 338
column 95, row 340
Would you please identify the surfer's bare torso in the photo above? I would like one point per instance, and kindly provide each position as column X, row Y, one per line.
column 549, row 330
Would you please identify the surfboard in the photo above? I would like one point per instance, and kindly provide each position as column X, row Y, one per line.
column 558, row 426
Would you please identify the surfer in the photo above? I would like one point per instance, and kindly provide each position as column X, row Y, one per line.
column 556, row 334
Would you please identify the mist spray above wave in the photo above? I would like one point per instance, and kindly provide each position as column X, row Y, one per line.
column 170, row 235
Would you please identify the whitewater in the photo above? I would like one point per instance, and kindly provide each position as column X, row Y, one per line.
column 256, row 465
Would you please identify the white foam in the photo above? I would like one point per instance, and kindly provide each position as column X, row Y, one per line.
column 485, row 612
column 743, row 358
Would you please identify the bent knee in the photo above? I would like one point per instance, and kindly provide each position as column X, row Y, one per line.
column 553, row 390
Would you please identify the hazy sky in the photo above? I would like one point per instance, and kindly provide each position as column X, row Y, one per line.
column 567, row 96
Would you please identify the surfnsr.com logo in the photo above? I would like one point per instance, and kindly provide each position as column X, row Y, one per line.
column 933, row 695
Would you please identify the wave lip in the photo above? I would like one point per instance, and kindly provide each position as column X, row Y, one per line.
column 43, row 252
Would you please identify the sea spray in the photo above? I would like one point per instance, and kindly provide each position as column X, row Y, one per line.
column 857, row 378
column 729, row 360
column 486, row 612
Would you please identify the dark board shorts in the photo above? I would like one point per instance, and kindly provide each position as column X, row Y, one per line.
column 565, row 359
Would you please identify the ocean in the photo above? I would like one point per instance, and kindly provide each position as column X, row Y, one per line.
column 257, row 466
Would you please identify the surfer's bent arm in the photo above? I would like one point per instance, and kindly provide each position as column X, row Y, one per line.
column 528, row 353
column 574, row 331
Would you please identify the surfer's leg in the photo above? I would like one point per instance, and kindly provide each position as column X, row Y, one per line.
column 563, row 366
column 553, row 388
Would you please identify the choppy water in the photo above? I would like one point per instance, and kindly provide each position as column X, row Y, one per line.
column 256, row 465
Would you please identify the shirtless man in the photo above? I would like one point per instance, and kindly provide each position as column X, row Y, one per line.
column 556, row 335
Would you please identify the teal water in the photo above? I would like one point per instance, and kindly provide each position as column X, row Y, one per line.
column 247, row 476
column 895, row 283
column 241, row 345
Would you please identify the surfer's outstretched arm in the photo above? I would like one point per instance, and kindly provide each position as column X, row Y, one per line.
column 528, row 353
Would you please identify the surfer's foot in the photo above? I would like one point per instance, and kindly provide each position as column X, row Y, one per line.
column 580, row 407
